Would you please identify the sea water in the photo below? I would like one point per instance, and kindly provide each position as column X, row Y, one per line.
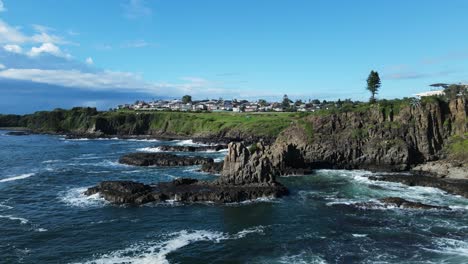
column 45, row 218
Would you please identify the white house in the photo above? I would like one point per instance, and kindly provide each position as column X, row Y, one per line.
column 430, row 93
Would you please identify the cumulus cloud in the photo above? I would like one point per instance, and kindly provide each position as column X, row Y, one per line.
column 13, row 48
column 48, row 48
column 136, row 9
column 2, row 67
column 9, row 34
column 89, row 61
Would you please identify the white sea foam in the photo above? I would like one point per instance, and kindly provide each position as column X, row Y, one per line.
column 156, row 252
column 301, row 258
column 188, row 142
column 365, row 190
column 150, row 149
column 218, row 159
column 449, row 246
column 4, row 206
column 23, row 221
column 19, row 177
column 359, row 235
column 50, row 161
column 76, row 197
column 41, row 230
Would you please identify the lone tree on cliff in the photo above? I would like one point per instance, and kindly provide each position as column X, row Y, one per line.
column 373, row 84
column 186, row 99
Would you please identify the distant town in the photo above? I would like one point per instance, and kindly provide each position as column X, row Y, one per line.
column 186, row 104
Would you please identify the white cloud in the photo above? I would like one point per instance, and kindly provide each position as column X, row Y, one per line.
column 10, row 34
column 89, row 61
column 112, row 81
column 48, row 48
column 13, row 48
column 2, row 67
column 2, row 6
column 136, row 9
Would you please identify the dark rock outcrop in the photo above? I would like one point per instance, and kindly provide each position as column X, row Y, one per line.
column 170, row 148
column 182, row 190
column 18, row 133
column 161, row 159
column 402, row 203
column 459, row 187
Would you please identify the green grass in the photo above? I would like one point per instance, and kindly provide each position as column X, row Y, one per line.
column 458, row 147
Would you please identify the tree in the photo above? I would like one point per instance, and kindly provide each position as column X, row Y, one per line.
column 455, row 90
column 262, row 102
column 186, row 99
column 298, row 102
column 286, row 102
column 373, row 84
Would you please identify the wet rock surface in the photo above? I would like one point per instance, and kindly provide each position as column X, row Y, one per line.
column 182, row 190
column 397, row 202
column 161, row 159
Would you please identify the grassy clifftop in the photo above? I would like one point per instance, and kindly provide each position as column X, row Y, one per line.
column 82, row 120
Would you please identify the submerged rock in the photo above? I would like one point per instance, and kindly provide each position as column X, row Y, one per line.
column 18, row 133
column 182, row 190
column 392, row 202
column 453, row 186
column 402, row 203
column 161, row 159
column 191, row 148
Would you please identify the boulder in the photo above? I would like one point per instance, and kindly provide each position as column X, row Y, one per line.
column 212, row 167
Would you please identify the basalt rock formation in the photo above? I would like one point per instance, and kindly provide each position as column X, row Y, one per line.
column 238, row 182
column 375, row 139
column 161, row 159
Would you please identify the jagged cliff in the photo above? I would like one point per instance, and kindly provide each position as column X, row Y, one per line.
column 380, row 139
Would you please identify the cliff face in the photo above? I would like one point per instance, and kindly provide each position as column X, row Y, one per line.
column 375, row 139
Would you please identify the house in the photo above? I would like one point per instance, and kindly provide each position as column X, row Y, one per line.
column 430, row 93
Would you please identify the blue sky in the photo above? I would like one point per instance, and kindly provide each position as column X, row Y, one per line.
column 101, row 53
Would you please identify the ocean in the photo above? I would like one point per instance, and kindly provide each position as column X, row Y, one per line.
column 45, row 218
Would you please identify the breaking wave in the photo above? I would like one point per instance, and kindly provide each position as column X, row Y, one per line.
column 19, row 177
column 156, row 252
column 75, row 197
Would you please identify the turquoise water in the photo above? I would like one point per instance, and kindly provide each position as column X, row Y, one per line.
column 44, row 218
